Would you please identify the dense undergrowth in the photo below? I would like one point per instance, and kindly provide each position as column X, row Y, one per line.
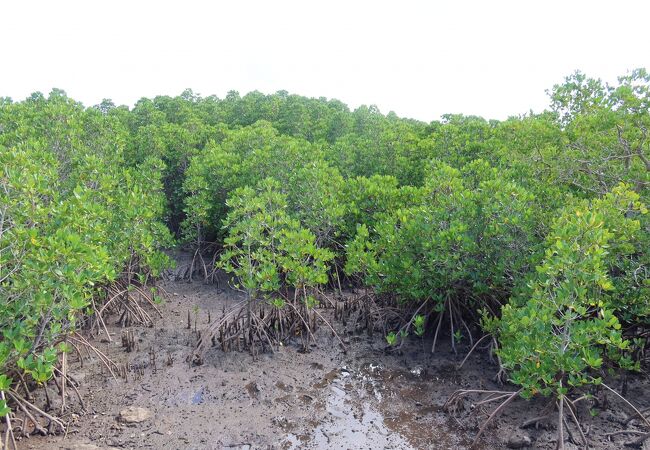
column 533, row 230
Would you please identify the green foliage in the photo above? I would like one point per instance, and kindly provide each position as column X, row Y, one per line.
column 391, row 338
column 254, row 223
column 243, row 158
column 72, row 216
column 418, row 325
column 565, row 326
column 607, row 132
column 526, row 217
column 470, row 237
column 265, row 245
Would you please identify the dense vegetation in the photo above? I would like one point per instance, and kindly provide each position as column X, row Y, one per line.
column 533, row 230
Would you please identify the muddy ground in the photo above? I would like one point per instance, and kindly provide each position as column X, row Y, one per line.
column 367, row 398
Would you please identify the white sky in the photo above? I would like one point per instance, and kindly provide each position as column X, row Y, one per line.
column 420, row 59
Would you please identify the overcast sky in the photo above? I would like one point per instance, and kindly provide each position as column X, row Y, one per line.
column 420, row 59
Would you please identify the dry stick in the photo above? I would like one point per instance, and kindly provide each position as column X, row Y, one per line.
column 495, row 414
column 627, row 402
column 471, row 350
column 577, row 422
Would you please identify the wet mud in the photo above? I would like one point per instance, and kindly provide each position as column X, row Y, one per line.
column 362, row 398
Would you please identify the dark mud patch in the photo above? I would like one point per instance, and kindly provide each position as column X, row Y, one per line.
column 325, row 398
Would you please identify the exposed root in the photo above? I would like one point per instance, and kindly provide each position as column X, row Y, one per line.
column 574, row 416
column 79, row 340
column 569, row 426
column 456, row 321
column 371, row 313
column 634, row 416
column 460, row 366
column 504, row 398
column 200, row 266
column 638, row 442
column 9, row 437
column 544, row 415
column 455, row 399
column 496, row 413
column 54, row 424
column 263, row 325
column 627, row 402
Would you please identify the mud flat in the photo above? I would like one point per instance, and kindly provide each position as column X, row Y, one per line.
column 362, row 398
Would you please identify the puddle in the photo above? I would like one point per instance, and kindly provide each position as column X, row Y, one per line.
column 352, row 422
column 185, row 396
column 197, row 398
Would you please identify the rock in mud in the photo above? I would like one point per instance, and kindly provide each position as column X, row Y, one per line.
column 134, row 414
column 253, row 389
column 284, row 387
column 519, row 439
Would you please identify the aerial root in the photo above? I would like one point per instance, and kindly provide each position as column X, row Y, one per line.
column 9, row 437
column 78, row 340
column 544, row 415
column 627, row 402
column 254, row 324
column 490, row 396
column 199, row 266
column 496, row 413
column 460, row 366
column 456, row 321
column 30, row 410
column 643, row 411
